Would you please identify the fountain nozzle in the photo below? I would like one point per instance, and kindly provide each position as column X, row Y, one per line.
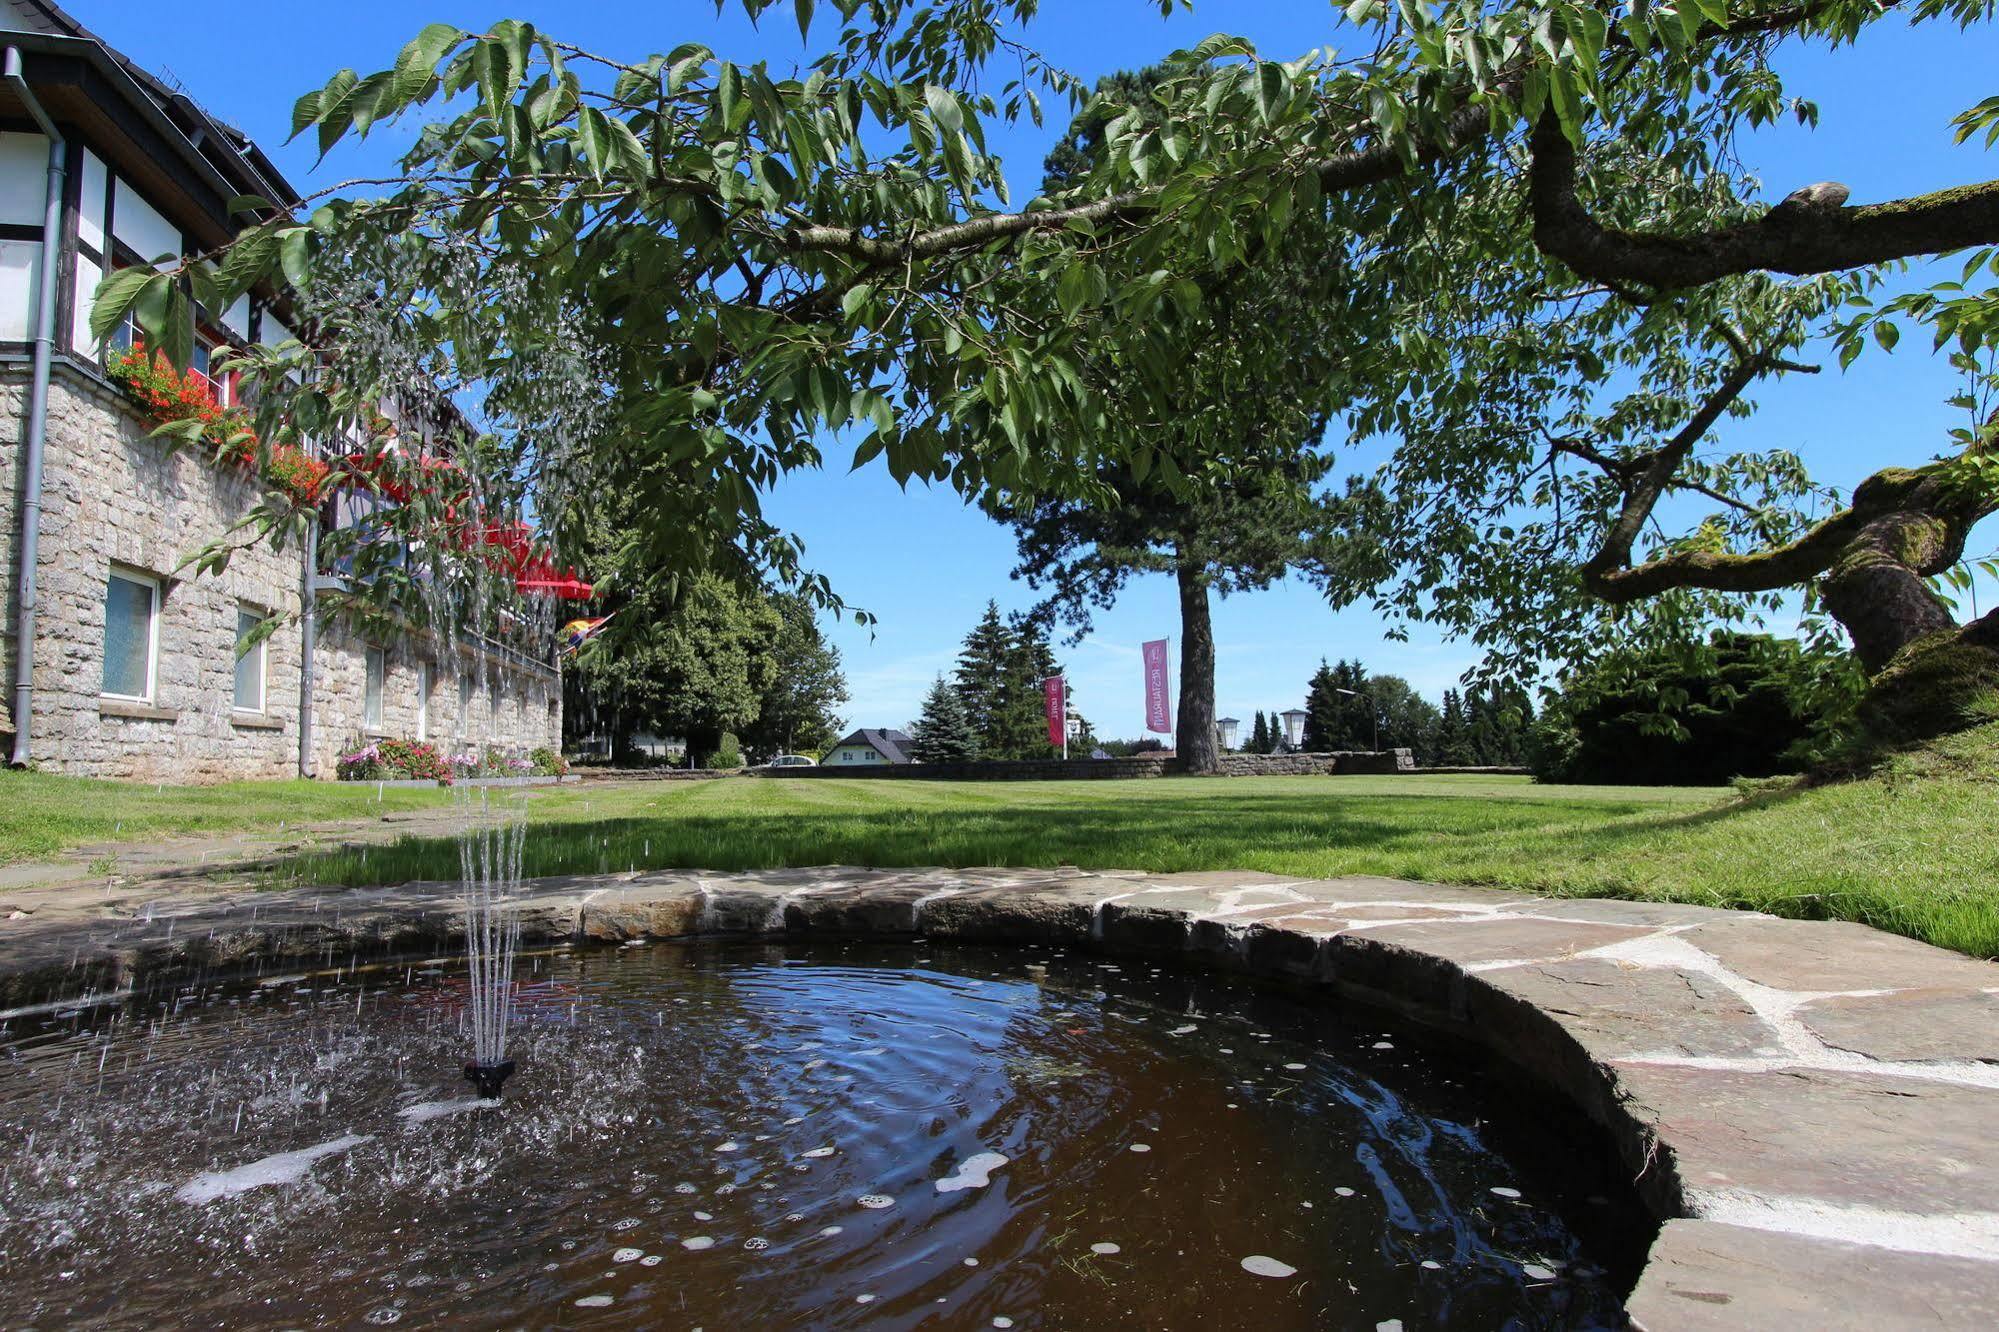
column 487, row 1078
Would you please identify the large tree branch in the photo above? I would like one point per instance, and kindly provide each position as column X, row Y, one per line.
column 1810, row 232
column 1644, row 488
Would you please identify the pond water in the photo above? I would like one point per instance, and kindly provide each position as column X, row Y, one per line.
column 751, row 1136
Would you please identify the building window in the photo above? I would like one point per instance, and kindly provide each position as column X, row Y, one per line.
column 423, row 700
column 249, row 661
column 131, row 635
column 465, row 698
column 371, row 700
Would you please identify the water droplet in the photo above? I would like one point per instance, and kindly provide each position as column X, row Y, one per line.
column 1433, row 1265
column 830, row 1231
column 1296, row 1068
column 1501, row 1191
column 864, row 1299
column 1343, row 1191
column 594, row 1302
column 1383, row 1045
column 1140, row 1147
column 627, row 1255
column 697, row 1242
column 756, row 1242
column 817, row 1152
column 1538, row 1272
column 1105, row 1247
column 650, row 1260
column 875, row 1201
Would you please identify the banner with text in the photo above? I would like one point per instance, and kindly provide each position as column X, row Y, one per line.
column 1054, row 692
column 1158, row 711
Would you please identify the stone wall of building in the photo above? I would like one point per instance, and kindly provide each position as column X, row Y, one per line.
column 1138, row 765
column 115, row 497
column 477, row 698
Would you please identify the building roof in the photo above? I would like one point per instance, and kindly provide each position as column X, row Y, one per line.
column 891, row 745
column 205, row 141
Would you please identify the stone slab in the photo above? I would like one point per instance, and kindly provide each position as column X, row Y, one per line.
column 1926, row 1024
column 1621, row 1011
column 1908, row 1145
column 1503, row 938
column 1707, row 1277
column 1832, row 955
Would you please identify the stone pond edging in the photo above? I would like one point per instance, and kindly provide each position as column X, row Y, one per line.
column 1810, row 1108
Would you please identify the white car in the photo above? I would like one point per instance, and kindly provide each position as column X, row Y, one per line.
column 792, row 761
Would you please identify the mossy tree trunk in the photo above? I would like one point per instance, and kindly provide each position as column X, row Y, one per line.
column 1871, row 564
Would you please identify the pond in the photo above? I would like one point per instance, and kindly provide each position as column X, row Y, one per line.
column 790, row 1135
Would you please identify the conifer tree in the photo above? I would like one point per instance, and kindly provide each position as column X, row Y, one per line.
column 1259, row 735
column 981, row 677
column 943, row 733
column 1453, row 739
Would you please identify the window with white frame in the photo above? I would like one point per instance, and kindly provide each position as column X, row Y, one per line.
column 131, row 635
column 378, row 678
column 250, row 659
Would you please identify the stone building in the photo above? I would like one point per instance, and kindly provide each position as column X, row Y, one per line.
column 131, row 667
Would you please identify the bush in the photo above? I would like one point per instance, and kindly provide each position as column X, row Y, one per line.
column 548, row 762
column 394, row 760
column 1740, row 705
column 730, row 755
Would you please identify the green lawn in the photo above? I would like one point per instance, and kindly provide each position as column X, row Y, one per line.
column 1913, row 849
column 43, row 816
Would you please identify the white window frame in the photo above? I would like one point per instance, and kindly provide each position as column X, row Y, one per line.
column 259, row 614
column 152, row 586
column 374, row 710
column 424, row 681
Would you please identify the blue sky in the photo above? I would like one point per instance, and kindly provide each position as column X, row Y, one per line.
column 923, row 562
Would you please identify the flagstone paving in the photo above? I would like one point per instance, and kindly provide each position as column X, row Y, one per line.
column 1812, row 1109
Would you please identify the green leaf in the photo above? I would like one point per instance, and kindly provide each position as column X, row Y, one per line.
column 115, row 298
column 176, row 332
column 1073, row 288
column 802, row 10
column 295, row 255
column 944, row 108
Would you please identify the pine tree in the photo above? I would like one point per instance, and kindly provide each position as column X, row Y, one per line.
column 981, row 677
column 944, row 733
column 1454, row 748
column 1021, row 726
column 1259, row 735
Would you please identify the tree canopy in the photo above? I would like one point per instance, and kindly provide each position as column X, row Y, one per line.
column 1559, row 276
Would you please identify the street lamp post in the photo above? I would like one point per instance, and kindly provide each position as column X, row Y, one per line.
column 1373, row 708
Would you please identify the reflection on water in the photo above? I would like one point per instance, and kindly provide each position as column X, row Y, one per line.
column 782, row 1136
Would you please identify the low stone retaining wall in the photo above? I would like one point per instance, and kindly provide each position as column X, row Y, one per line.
column 1343, row 763
column 653, row 774
column 1807, row 1107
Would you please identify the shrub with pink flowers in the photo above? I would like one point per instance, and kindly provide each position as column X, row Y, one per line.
column 394, row 760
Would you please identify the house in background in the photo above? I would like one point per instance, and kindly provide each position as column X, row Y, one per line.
column 866, row 746
column 123, row 663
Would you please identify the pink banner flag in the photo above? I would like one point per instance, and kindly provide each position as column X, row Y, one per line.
column 1158, row 712
column 1054, row 692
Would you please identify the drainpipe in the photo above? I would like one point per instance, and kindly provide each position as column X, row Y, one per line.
column 38, row 412
column 308, row 642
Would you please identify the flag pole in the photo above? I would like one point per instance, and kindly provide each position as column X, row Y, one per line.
column 1064, row 678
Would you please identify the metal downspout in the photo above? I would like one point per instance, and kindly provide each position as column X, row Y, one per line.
column 308, row 642
column 38, row 413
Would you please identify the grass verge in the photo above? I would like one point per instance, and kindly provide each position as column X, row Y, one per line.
column 42, row 816
column 1911, row 848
